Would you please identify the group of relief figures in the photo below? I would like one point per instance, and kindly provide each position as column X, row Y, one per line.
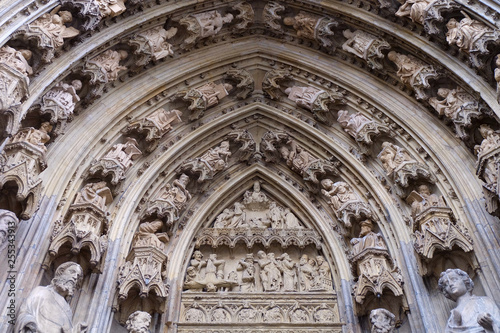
column 266, row 273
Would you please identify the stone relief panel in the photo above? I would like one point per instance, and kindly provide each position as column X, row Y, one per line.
column 84, row 228
column 313, row 27
column 21, row 162
column 366, row 46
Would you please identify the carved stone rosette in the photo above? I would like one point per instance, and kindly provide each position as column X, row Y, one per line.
column 21, row 163
column 365, row 46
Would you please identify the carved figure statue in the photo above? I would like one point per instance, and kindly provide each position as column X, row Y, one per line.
column 203, row 25
column 198, row 263
column 171, row 200
column 307, row 273
column 8, row 227
column 304, row 96
column 111, row 7
column 38, row 138
column 323, row 278
column 291, row 221
column 124, row 153
column 288, row 267
column 14, row 75
column 213, row 161
column 312, row 27
column 473, row 313
column 270, row 275
column 465, row 33
column 339, row 193
column 152, row 44
column 491, row 141
column 17, row 60
column 163, row 119
column 427, row 200
column 60, row 101
column 248, row 273
column 109, row 63
column 365, row 46
column 255, row 200
column 382, row 321
column 367, row 239
column 97, row 194
column 393, row 157
column 138, row 322
column 354, row 123
column 415, row 9
column 456, row 104
column 297, row 158
column 147, row 236
column 46, row 308
column 413, row 73
column 275, row 215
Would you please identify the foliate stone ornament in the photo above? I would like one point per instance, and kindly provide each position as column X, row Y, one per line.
column 346, row 204
column 154, row 126
column 472, row 37
column 382, row 320
column 145, row 269
column 245, row 82
column 313, row 27
column 313, row 99
column 46, row 308
column 138, row 322
column 48, row 33
column 366, row 46
column 473, row 313
column 458, row 106
column 400, row 166
column 8, row 227
column 488, row 159
column 271, row 17
column 204, row 97
column 117, row 161
column 152, row 45
column 373, row 265
column 361, row 128
column 245, row 18
column 210, row 163
column 21, row 162
column 86, row 225
column 427, row 12
column 434, row 227
column 271, row 83
column 203, row 25
column 104, row 68
column 170, row 201
column 414, row 73
column 59, row 103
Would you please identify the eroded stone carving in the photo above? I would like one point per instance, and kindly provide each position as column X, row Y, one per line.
column 138, row 322
column 362, row 129
column 21, row 162
column 204, row 97
column 8, row 227
column 270, row 16
column 473, row 313
column 488, row 159
column 313, row 99
column 427, row 12
column 170, row 201
column 245, row 82
column 245, row 17
column 86, row 225
column 458, row 106
column 414, row 73
column 271, row 83
column 46, row 308
column 433, row 227
column 203, row 25
column 373, row 265
column 248, row 145
column 383, row 321
column 213, row 279
column 117, row 161
column 400, row 166
column 346, row 204
column 313, row 27
column 210, row 163
column 152, row 45
column 103, row 69
column 366, row 46
column 59, row 103
column 93, row 11
column 472, row 37
column 155, row 126
column 48, row 32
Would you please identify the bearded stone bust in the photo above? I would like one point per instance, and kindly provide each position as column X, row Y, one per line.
column 138, row 322
column 46, row 309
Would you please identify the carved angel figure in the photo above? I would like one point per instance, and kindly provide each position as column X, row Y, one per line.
column 152, row 44
column 109, row 62
column 415, row 9
column 212, row 92
column 16, row 59
column 148, row 236
column 97, row 194
column 394, row 157
column 216, row 158
column 53, row 25
column 176, row 195
column 367, row 239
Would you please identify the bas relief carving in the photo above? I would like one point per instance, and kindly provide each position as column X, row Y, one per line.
column 313, row 27
column 366, row 46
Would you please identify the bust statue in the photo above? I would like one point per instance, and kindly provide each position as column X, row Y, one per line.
column 46, row 309
column 472, row 313
column 138, row 322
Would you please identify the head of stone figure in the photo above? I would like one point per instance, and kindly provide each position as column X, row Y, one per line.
column 261, row 254
column 27, row 54
column 443, row 92
column 46, row 127
column 249, row 257
column 284, row 152
column 320, row 260
column 224, row 144
column 451, row 24
column 8, row 220
column 77, row 84
column 424, row 189
column 485, row 130
column 197, row 255
column 67, row 278
column 138, row 322
column 392, row 57
column 497, row 62
column 340, row 187
column 65, row 16
column 289, row 20
column 303, row 259
column 366, row 228
column 123, row 54
column 184, row 179
column 382, row 321
column 327, row 183
column 256, row 186
column 228, row 87
column 454, row 283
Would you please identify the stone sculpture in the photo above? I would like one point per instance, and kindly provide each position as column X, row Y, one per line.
column 311, row 98
column 488, row 155
column 273, row 79
column 108, row 64
column 270, row 275
column 248, row 273
column 117, row 161
column 473, row 313
column 382, row 320
column 472, row 37
column 365, row 46
column 347, row 205
column 245, row 17
column 427, row 12
column 203, row 25
column 94, row 11
column 59, row 103
column 48, row 32
column 138, row 322
column 204, row 97
column 210, row 163
column 271, row 17
column 152, row 45
column 46, row 308
column 8, row 227
column 415, row 9
column 213, row 279
column 313, row 27
column 497, row 77
column 414, row 73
